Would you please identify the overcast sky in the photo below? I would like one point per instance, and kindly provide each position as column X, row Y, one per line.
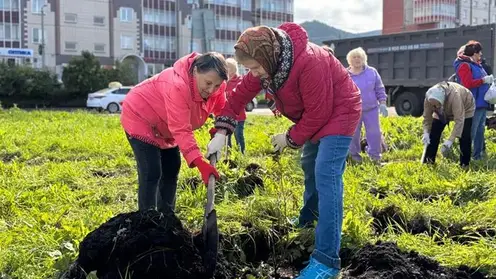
column 349, row 15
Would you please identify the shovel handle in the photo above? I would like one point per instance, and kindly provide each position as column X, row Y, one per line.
column 211, row 187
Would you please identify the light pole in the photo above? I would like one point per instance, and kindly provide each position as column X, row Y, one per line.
column 43, row 36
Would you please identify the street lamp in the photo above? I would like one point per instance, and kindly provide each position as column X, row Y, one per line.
column 43, row 36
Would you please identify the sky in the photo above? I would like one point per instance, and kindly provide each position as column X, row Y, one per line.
column 354, row 16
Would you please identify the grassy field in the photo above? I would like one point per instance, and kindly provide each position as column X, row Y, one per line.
column 63, row 174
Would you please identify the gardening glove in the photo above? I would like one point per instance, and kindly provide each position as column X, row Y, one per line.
column 279, row 142
column 488, row 79
column 205, row 169
column 215, row 145
column 383, row 110
column 446, row 147
column 426, row 138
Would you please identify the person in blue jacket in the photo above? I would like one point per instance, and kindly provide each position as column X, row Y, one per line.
column 472, row 75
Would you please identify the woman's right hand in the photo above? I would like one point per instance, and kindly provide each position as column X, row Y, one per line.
column 216, row 144
column 206, row 169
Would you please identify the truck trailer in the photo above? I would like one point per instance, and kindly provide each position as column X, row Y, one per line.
column 411, row 62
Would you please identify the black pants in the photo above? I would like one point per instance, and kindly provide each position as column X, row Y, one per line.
column 435, row 138
column 158, row 170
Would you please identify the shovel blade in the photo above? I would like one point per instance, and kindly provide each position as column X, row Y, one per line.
column 210, row 233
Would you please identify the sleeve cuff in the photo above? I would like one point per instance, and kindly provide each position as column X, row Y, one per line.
column 226, row 123
column 191, row 156
column 289, row 140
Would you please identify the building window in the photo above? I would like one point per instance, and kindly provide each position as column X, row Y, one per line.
column 37, row 5
column 465, row 14
column 474, row 21
column 99, row 48
column 9, row 5
column 126, row 42
column 126, row 14
column 159, row 17
column 246, row 5
column 9, row 31
column 99, row 20
column 36, row 32
column 70, row 46
column 160, row 43
column 70, row 18
column 494, row 18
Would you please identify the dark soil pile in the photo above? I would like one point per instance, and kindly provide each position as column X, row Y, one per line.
column 246, row 185
column 392, row 218
column 387, row 261
column 142, row 245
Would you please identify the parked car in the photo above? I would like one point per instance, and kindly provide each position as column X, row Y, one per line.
column 109, row 99
column 251, row 105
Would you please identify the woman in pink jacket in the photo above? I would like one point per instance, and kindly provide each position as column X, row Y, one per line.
column 313, row 89
column 159, row 116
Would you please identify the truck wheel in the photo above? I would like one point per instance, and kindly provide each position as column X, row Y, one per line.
column 408, row 103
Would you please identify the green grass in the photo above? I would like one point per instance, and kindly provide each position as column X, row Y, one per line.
column 62, row 174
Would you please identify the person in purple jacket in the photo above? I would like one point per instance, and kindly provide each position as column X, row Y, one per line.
column 373, row 102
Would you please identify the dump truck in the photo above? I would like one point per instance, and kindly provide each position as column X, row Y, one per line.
column 411, row 62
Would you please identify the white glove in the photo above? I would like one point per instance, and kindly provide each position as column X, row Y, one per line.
column 383, row 110
column 426, row 140
column 446, row 147
column 215, row 145
column 279, row 142
column 488, row 79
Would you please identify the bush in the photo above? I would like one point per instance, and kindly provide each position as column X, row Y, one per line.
column 83, row 75
column 23, row 84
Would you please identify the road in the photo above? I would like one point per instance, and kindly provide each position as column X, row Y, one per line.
column 266, row 111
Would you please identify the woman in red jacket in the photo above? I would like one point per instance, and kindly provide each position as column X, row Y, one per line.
column 159, row 116
column 234, row 79
column 311, row 88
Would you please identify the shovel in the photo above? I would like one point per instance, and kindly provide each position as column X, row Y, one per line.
column 210, row 230
column 423, row 154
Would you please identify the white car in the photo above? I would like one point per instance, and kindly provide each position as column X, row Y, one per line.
column 108, row 99
column 251, row 105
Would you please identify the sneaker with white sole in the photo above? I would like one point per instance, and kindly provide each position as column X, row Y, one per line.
column 318, row 270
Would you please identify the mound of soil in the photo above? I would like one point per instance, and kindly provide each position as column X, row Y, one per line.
column 142, row 245
column 392, row 218
column 245, row 186
column 387, row 261
column 253, row 168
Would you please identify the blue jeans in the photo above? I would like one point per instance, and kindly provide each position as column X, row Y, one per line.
column 323, row 166
column 478, row 129
column 239, row 135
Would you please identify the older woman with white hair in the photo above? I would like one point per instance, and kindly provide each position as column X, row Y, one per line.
column 444, row 102
column 374, row 98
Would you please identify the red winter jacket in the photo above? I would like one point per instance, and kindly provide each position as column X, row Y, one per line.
column 165, row 109
column 319, row 94
column 231, row 85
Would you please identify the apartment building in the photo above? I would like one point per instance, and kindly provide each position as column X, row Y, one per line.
column 150, row 34
column 411, row 15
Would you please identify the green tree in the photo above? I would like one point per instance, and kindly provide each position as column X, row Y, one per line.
column 123, row 73
column 84, row 75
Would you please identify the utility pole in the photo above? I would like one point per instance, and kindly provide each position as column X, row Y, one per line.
column 471, row 9
column 43, row 36
column 489, row 12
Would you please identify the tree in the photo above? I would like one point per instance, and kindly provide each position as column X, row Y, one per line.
column 84, row 75
column 123, row 73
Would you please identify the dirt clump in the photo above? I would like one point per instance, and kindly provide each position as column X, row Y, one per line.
column 246, row 185
column 393, row 219
column 387, row 261
column 253, row 168
column 144, row 244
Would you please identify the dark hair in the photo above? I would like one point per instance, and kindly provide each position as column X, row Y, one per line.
column 472, row 47
column 210, row 61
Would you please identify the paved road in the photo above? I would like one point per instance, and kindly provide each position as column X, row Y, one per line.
column 266, row 111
